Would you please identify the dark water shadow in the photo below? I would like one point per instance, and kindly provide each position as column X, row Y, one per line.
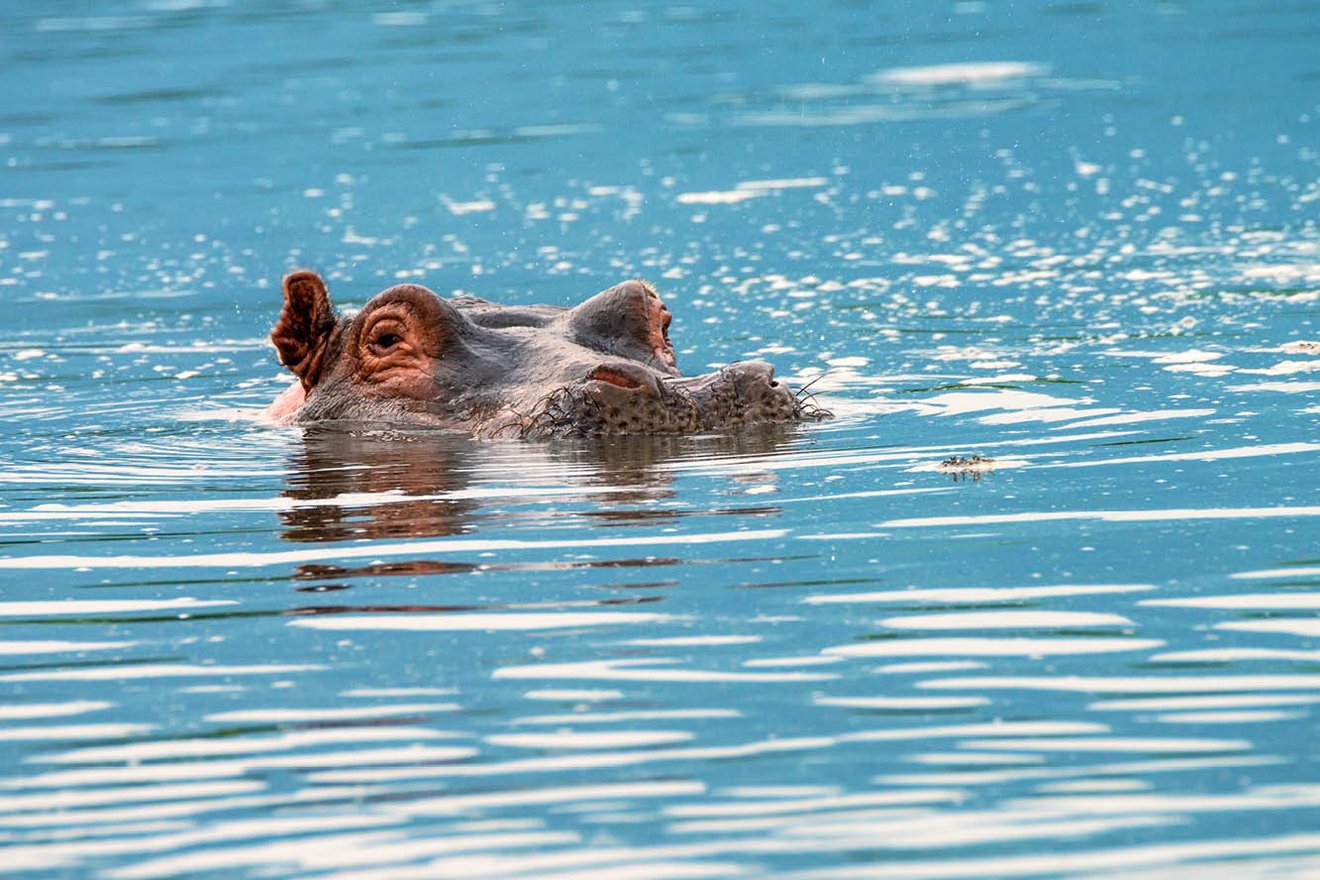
column 396, row 485
column 342, row 476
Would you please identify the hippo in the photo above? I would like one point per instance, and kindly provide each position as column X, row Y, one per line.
column 605, row 367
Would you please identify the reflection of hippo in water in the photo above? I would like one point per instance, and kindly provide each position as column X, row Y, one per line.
column 349, row 485
column 604, row 367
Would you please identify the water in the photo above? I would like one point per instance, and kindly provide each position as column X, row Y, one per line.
column 1078, row 239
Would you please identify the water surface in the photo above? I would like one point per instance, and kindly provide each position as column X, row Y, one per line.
column 1076, row 239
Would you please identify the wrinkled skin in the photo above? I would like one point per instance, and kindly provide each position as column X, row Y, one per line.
column 605, row 367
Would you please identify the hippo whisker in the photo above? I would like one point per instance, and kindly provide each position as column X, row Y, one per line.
column 808, row 410
column 803, row 390
column 806, row 407
column 680, row 395
column 554, row 415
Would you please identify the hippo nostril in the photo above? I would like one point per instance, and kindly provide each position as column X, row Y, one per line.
column 614, row 377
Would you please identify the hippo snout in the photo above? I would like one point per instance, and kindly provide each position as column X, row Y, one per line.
column 626, row 376
column 752, row 377
column 745, row 392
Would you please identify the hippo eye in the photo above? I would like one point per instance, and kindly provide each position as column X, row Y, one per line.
column 386, row 336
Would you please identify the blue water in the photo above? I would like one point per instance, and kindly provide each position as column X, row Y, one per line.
column 1077, row 239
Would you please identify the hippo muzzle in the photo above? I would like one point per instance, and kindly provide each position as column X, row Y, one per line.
column 617, row 399
column 605, row 367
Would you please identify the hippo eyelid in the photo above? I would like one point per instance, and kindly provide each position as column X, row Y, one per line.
column 385, row 333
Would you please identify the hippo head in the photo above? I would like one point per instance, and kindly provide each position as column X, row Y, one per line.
column 605, row 367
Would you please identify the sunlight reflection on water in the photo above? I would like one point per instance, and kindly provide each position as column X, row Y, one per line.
column 1038, row 601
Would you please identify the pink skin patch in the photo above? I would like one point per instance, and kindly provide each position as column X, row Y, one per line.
column 657, row 323
column 614, row 377
column 281, row 410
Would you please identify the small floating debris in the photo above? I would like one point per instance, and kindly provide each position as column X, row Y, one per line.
column 963, row 467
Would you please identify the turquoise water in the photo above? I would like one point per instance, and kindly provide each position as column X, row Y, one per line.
column 1078, row 239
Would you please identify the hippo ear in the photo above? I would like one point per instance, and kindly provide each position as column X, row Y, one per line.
column 306, row 323
column 630, row 320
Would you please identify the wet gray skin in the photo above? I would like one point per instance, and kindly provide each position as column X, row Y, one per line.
column 605, row 367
